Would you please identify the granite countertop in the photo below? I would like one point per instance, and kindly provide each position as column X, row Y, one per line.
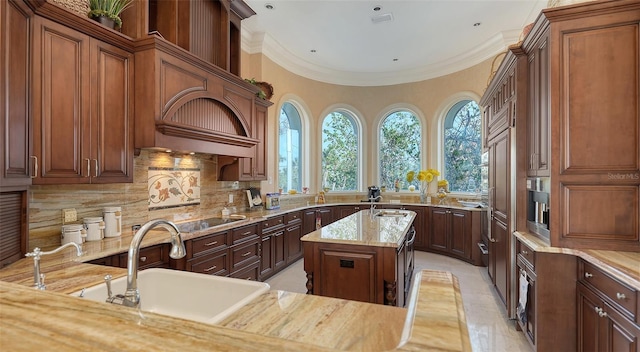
column 625, row 266
column 276, row 320
column 365, row 228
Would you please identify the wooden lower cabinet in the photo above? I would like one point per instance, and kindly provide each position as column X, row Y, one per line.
column 602, row 327
column 608, row 312
column 455, row 232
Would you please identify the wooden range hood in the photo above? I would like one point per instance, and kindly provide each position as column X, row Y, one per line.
column 184, row 103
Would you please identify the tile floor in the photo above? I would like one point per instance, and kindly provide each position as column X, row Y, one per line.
column 489, row 328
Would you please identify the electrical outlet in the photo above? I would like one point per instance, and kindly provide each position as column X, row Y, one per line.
column 69, row 215
column 230, row 198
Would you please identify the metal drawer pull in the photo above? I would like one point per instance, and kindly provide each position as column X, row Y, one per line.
column 211, row 268
column 620, row 295
column 587, row 274
column 600, row 312
column 524, row 252
column 143, row 259
column 88, row 167
column 211, row 243
column 246, row 254
column 246, row 233
column 95, row 172
column 35, row 166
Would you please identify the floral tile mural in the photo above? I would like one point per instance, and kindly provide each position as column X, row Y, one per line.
column 173, row 187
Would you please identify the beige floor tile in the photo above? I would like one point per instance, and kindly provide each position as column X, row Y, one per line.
column 489, row 328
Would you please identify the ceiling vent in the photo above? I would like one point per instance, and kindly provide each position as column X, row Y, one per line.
column 382, row 18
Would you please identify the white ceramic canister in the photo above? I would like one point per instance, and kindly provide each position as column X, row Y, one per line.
column 95, row 228
column 73, row 233
column 112, row 221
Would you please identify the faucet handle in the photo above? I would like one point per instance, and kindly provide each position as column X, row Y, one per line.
column 107, row 281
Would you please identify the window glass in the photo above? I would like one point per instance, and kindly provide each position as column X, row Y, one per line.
column 340, row 144
column 290, row 140
column 463, row 147
column 400, row 141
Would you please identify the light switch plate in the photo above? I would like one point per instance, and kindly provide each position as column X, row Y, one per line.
column 69, row 215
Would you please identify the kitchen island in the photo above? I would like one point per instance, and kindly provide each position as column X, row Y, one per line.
column 366, row 256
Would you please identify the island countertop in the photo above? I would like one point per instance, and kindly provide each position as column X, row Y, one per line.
column 367, row 229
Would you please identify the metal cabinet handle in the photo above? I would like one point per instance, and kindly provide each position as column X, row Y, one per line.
column 600, row 312
column 588, row 275
column 246, row 254
column 620, row 295
column 95, row 163
column 211, row 268
column 88, row 167
column 35, row 166
column 211, row 244
column 524, row 252
column 143, row 259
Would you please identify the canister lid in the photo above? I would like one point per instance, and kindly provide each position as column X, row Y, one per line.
column 112, row 209
column 92, row 219
column 72, row 227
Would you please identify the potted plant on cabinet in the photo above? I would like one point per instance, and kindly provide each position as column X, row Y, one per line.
column 107, row 12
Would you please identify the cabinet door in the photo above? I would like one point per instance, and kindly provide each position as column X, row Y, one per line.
column 111, row 114
column 15, row 115
column 460, row 230
column 590, row 335
column 266, row 257
column 538, row 117
column 622, row 333
column 279, row 252
column 61, row 84
column 293, row 243
column 438, row 237
column 326, row 216
column 308, row 221
column 500, row 237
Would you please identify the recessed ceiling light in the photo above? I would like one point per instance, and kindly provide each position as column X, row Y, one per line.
column 477, row 24
column 313, row 50
column 395, row 59
column 377, row 8
column 269, row 6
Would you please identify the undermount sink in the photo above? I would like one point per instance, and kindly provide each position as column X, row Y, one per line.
column 391, row 213
column 199, row 297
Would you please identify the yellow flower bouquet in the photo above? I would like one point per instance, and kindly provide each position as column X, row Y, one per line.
column 425, row 177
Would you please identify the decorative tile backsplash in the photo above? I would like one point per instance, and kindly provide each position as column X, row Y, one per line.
column 173, row 187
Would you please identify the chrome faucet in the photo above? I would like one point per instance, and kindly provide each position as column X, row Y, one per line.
column 373, row 205
column 131, row 297
column 38, row 277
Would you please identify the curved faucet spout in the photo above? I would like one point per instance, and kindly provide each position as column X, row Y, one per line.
column 132, row 295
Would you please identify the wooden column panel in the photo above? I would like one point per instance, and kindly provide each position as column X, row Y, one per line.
column 348, row 275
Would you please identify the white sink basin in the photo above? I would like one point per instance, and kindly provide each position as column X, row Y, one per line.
column 203, row 298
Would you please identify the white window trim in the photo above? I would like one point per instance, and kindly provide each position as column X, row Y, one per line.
column 362, row 141
column 424, row 157
column 305, row 152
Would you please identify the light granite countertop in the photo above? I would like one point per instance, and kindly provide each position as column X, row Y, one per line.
column 366, row 228
column 277, row 320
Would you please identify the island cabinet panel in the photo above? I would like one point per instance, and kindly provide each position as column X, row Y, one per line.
column 349, row 274
column 273, row 246
column 82, row 107
column 292, row 236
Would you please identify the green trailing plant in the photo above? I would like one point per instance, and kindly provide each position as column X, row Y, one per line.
column 261, row 93
column 109, row 8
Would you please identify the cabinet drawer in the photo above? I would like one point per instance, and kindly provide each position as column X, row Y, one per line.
column 618, row 293
column 527, row 254
column 149, row 257
column 243, row 254
column 244, row 233
column 293, row 217
column 215, row 264
column 212, row 242
column 249, row 273
column 272, row 223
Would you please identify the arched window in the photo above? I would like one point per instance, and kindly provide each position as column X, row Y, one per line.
column 400, row 151
column 289, row 149
column 463, row 147
column 340, row 143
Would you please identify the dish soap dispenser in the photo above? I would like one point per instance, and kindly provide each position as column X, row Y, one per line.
column 225, row 212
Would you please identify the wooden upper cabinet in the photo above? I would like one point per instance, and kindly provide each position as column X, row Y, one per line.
column 595, row 122
column 209, row 29
column 82, row 108
column 15, row 115
column 538, row 143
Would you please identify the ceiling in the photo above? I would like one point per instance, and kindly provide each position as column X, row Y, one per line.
column 348, row 42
